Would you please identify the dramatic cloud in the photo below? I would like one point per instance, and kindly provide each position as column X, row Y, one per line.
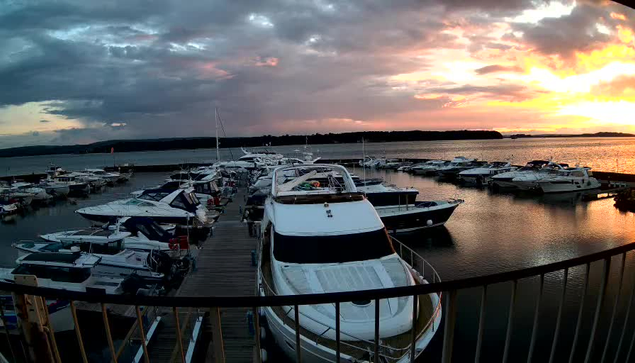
column 75, row 71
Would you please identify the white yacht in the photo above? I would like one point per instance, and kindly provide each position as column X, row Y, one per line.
column 429, row 167
column 164, row 206
column 64, row 271
column 75, row 184
column 455, row 166
column 528, row 181
column 37, row 194
column 505, row 180
column 484, row 174
column 329, row 239
column 569, row 180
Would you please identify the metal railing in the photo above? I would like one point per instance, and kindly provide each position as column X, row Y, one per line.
column 592, row 347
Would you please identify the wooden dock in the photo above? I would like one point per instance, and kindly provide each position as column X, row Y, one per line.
column 223, row 268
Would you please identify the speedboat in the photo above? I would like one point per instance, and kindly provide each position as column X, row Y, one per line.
column 164, row 206
column 76, row 186
column 205, row 190
column 379, row 194
column 481, row 176
column 418, row 215
column 109, row 178
column 372, row 162
column 505, row 180
column 429, row 167
column 569, row 180
column 457, row 165
column 327, row 239
column 528, row 181
column 132, row 233
column 37, row 194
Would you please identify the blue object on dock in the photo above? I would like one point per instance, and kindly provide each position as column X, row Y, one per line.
column 250, row 323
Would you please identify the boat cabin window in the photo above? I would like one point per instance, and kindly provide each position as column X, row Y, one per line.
column 332, row 249
column 184, row 201
column 60, row 274
column 202, row 188
column 172, row 185
column 149, row 228
column 155, row 195
column 110, row 248
column 577, row 174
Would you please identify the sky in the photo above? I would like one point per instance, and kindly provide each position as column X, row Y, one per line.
column 75, row 71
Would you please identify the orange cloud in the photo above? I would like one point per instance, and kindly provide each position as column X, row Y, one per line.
column 618, row 16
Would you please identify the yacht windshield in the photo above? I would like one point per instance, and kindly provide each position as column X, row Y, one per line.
column 332, row 249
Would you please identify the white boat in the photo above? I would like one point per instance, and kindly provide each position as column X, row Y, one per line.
column 37, row 194
column 109, row 177
column 418, row 215
column 330, row 239
column 164, row 206
column 483, row 175
column 528, row 181
column 53, row 188
column 372, row 162
column 9, row 207
column 569, row 180
column 64, row 271
column 505, row 180
column 75, row 185
column 429, row 167
column 455, row 166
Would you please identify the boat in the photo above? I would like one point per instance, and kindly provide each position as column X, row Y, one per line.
column 344, row 247
column 429, row 167
column 505, row 180
column 417, row 216
column 38, row 195
column 9, row 207
column 75, row 185
column 380, row 195
column 569, row 180
column 109, row 177
column 64, row 271
column 372, row 162
column 457, row 165
column 164, row 206
column 529, row 181
column 205, row 189
column 482, row 175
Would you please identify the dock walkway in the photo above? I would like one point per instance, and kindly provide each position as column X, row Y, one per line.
column 223, row 268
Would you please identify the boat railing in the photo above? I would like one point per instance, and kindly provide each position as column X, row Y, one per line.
column 590, row 341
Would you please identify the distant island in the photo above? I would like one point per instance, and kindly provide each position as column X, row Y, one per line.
column 234, row 142
column 597, row 134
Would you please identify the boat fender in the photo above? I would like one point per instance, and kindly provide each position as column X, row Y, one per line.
column 251, row 323
column 263, row 334
column 263, row 355
column 429, row 222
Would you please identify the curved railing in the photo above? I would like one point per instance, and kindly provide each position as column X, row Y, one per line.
column 448, row 288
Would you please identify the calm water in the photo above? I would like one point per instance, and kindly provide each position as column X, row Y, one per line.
column 489, row 233
column 606, row 154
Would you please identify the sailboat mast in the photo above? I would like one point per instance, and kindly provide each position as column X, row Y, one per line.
column 217, row 141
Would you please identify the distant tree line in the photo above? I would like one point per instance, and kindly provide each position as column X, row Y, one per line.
column 233, row 142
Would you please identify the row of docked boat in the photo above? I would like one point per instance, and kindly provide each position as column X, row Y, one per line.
column 320, row 233
column 538, row 175
column 58, row 183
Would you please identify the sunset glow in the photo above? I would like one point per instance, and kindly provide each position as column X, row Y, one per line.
column 560, row 67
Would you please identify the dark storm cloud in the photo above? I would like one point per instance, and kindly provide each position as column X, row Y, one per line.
column 160, row 66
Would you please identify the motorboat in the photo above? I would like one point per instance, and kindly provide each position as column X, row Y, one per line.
column 37, row 194
column 372, row 162
column 505, row 180
column 569, row 180
column 418, row 215
column 9, row 195
column 528, row 181
column 132, row 233
column 429, row 167
column 205, row 190
column 109, row 177
column 9, row 207
column 380, row 195
column 327, row 239
column 482, row 175
column 457, row 165
column 95, row 182
column 75, row 185
column 64, row 271
column 54, row 189
column 164, row 206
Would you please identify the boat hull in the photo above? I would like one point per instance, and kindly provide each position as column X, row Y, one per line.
column 158, row 219
column 382, row 199
column 416, row 216
column 568, row 187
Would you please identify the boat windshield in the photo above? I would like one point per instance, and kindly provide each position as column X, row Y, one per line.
column 332, row 249
column 55, row 273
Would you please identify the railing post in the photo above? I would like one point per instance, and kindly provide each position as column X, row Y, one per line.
column 146, row 356
column 257, row 331
column 376, row 356
column 615, row 306
column 298, row 338
column 628, row 314
column 448, row 330
column 598, row 308
column 559, row 318
column 6, row 332
column 111, row 345
column 535, row 326
column 78, row 332
column 50, row 330
column 481, row 325
column 577, row 326
column 413, row 333
column 337, row 332
column 217, row 335
column 510, row 322
column 179, row 337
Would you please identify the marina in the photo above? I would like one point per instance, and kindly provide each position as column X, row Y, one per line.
column 224, row 264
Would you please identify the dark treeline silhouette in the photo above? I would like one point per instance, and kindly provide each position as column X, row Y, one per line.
column 227, row 142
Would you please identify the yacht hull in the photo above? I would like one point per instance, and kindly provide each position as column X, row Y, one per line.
column 415, row 216
column 284, row 336
column 158, row 219
column 549, row 187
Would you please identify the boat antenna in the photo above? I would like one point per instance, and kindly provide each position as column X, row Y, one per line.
column 217, row 141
